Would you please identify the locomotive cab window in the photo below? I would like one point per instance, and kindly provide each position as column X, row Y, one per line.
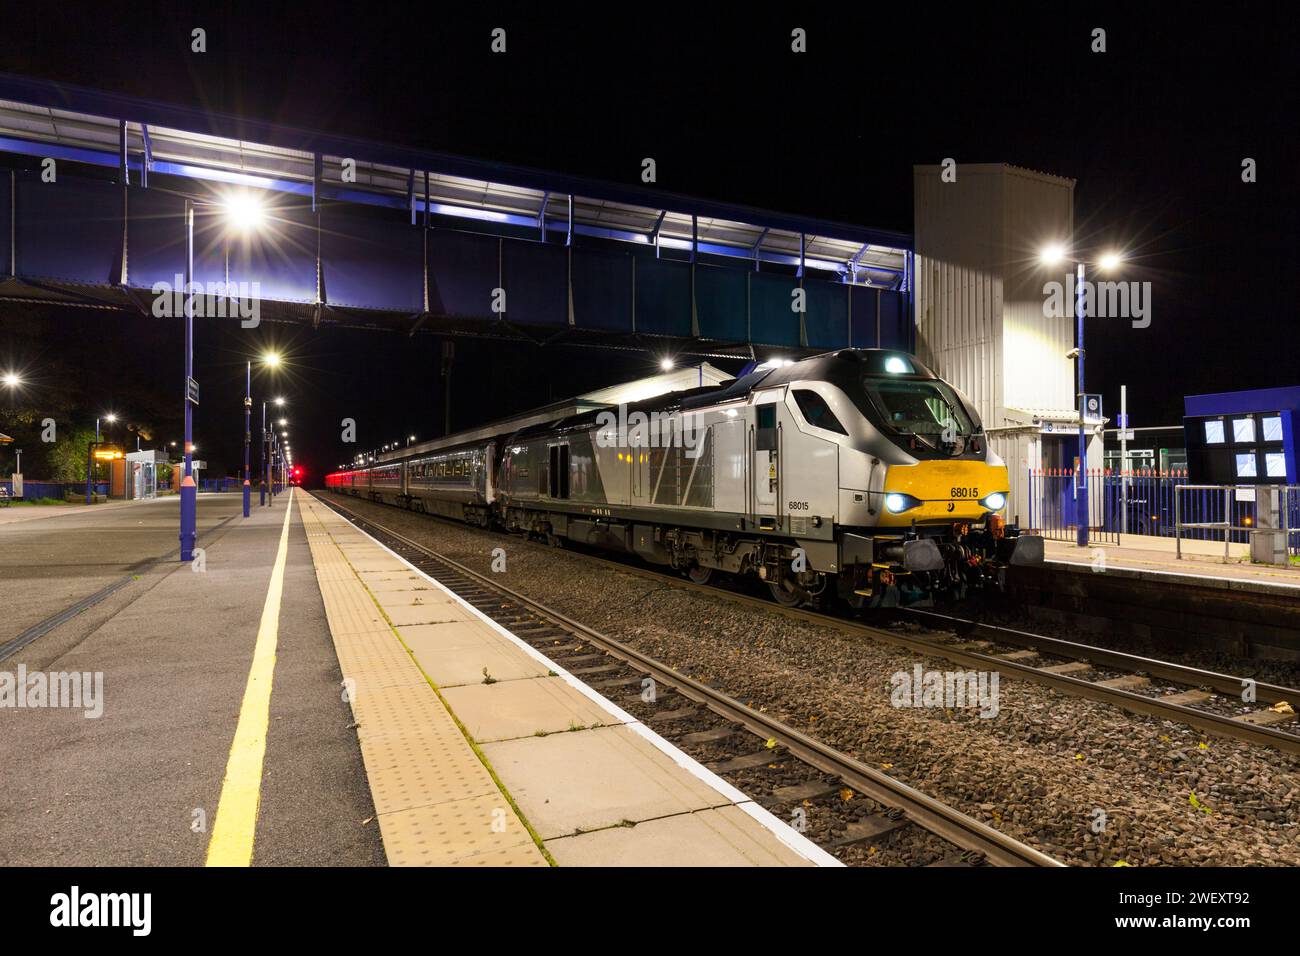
column 816, row 412
column 917, row 407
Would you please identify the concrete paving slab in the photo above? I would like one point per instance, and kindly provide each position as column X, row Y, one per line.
column 566, row 783
column 408, row 613
column 726, row 836
column 523, row 708
column 454, row 666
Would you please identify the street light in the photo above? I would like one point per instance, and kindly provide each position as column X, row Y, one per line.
column 242, row 210
column 111, row 417
column 1052, row 255
column 11, row 379
column 272, row 361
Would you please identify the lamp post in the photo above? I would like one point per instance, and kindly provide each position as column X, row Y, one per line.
column 1054, row 255
column 244, row 210
column 270, row 360
column 90, row 455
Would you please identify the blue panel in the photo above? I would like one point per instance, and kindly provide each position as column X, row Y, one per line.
column 894, row 331
column 371, row 263
column 4, row 218
column 1242, row 402
column 663, row 297
column 722, row 303
column 773, row 321
column 827, row 320
column 866, row 305
column 463, row 271
column 69, row 230
column 156, row 237
column 602, row 290
column 280, row 255
column 536, row 282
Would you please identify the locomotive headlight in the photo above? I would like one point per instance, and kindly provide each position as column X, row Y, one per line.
column 994, row 502
column 896, row 503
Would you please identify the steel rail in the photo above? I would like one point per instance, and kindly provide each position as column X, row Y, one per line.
column 1125, row 700
column 930, row 814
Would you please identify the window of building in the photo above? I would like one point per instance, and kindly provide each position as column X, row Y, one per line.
column 1214, row 433
column 1243, row 430
column 1246, row 465
column 1273, row 428
column 1275, row 464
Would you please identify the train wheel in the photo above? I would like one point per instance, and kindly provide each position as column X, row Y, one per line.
column 786, row 593
column 700, row 575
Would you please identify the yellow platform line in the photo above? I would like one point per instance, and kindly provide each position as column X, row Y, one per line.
column 241, row 791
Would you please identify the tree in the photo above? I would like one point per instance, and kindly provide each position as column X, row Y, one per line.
column 66, row 460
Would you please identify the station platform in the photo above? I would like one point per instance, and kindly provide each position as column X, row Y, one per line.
column 1141, row 592
column 302, row 696
column 481, row 751
column 1202, row 563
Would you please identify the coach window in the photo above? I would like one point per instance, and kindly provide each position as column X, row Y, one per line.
column 816, row 412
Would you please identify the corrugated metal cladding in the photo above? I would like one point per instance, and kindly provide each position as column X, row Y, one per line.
column 979, row 285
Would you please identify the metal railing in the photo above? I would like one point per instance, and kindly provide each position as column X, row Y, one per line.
column 1224, row 518
column 1057, row 497
column 1145, row 502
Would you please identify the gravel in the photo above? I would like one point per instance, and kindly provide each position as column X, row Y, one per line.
column 1081, row 781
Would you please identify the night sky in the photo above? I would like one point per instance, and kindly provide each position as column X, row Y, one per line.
column 1154, row 130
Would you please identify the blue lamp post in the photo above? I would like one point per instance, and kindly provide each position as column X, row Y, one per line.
column 1053, row 255
column 248, row 414
column 270, row 360
column 242, row 210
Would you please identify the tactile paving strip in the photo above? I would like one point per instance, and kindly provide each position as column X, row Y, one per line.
column 436, row 801
column 478, row 831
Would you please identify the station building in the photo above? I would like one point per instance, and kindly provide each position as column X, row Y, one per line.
column 980, row 317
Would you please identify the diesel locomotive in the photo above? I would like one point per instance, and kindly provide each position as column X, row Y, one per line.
column 858, row 474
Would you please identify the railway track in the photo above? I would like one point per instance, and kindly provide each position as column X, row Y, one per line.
column 974, row 647
column 727, row 734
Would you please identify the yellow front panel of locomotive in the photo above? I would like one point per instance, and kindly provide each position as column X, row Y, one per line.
column 948, row 490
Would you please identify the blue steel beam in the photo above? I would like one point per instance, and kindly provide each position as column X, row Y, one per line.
column 315, row 192
column 114, row 106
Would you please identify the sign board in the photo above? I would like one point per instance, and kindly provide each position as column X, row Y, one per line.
column 1091, row 407
column 1125, row 434
column 1122, row 420
column 192, row 391
column 17, row 479
column 1245, row 494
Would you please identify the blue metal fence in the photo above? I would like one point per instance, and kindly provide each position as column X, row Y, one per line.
column 32, row 490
